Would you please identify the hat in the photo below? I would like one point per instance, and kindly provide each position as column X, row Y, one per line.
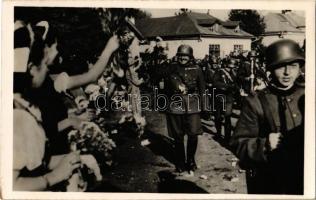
column 283, row 52
column 135, row 30
column 232, row 63
column 185, row 50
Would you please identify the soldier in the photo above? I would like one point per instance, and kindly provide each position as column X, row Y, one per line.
column 183, row 79
column 225, row 83
column 269, row 136
column 210, row 70
column 249, row 71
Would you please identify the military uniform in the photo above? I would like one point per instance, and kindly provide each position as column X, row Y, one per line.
column 279, row 172
column 185, row 87
column 183, row 82
column 275, row 165
column 225, row 84
column 244, row 74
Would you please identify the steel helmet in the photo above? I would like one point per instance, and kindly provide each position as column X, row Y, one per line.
column 252, row 53
column 232, row 63
column 185, row 50
column 214, row 59
column 282, row 52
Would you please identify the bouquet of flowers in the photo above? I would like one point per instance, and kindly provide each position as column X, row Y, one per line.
column 91, row 139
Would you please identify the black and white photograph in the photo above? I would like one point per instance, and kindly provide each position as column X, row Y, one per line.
column 160, row 100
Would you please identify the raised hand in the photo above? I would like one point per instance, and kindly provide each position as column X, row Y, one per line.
column 113, row 43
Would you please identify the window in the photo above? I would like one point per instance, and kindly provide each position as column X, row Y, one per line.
column 238, row 47
column 214, row 49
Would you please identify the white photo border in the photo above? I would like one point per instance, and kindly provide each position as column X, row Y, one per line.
column 6, row 146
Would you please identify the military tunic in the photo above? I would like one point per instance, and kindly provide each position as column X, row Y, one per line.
column 185, row 87
column 279, row 171
column 225, row 85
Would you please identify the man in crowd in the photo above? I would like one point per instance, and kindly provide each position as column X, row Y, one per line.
column 225, row 84
column 184, row 84
column 251, row 71
column 269, row 136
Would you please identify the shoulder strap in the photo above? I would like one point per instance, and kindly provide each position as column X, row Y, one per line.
column 227, row 75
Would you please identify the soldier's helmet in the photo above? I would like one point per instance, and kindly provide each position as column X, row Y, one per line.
column 185, row 50
column 214, row 59
column 252, row 53
column 283, row 52
column 232, row 63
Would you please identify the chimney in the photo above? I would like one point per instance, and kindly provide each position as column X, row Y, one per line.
column 286, row 11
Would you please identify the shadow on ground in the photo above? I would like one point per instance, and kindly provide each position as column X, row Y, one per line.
column 169, row 184
column 161, row 145
column 209, row 128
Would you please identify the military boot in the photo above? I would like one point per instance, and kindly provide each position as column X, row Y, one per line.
column 228, row 129
column 179, row 157
column 191, row 150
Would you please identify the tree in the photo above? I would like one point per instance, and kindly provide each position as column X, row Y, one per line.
column 112, row 18
column 250, row 21
column 82, row 32
column 182, row 11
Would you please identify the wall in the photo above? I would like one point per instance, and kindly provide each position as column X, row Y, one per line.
column 298, row 37
column 201, row 47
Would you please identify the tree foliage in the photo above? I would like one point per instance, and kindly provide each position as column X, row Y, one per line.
column 82, row 32
column 250, row 21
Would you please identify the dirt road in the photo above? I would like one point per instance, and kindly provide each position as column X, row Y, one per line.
column 149, row 168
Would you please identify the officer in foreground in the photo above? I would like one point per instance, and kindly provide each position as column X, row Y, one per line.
column 183, row 79
column 269, row 136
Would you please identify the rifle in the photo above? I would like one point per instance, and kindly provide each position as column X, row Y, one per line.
column 253, row 55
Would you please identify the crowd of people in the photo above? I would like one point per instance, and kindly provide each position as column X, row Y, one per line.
column 268, row 138
column 269, row 135
column 40, row 113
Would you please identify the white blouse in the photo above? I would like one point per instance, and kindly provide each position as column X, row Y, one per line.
column 29, row 137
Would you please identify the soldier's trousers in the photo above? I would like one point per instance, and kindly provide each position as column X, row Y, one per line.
column 180, row 125
column 225, row 111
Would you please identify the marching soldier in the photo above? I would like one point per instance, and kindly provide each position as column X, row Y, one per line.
column 183, row 79
column 250, row 76
column 212, row 67
column 269, row 136
column 225, row 84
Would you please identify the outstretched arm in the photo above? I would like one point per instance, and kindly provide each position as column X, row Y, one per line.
column 96, row 70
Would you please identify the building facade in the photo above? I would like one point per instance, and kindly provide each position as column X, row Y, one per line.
column 205, row 33
column 218, row 46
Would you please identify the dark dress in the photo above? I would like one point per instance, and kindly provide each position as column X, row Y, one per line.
column 53, row 111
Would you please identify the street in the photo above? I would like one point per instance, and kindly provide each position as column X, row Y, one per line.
column 149, row 168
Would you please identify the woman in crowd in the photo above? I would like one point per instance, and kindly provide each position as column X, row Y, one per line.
column 49, row 96
column 33, row 167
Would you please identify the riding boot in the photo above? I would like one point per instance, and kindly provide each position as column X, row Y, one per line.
column 218, row 126
column 191, row 150
column 228, row 129
column 179, row 156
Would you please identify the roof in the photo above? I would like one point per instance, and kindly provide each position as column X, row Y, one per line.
column 232, row 24
column 288, row 22
column 189, row 24
column 295, row 20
